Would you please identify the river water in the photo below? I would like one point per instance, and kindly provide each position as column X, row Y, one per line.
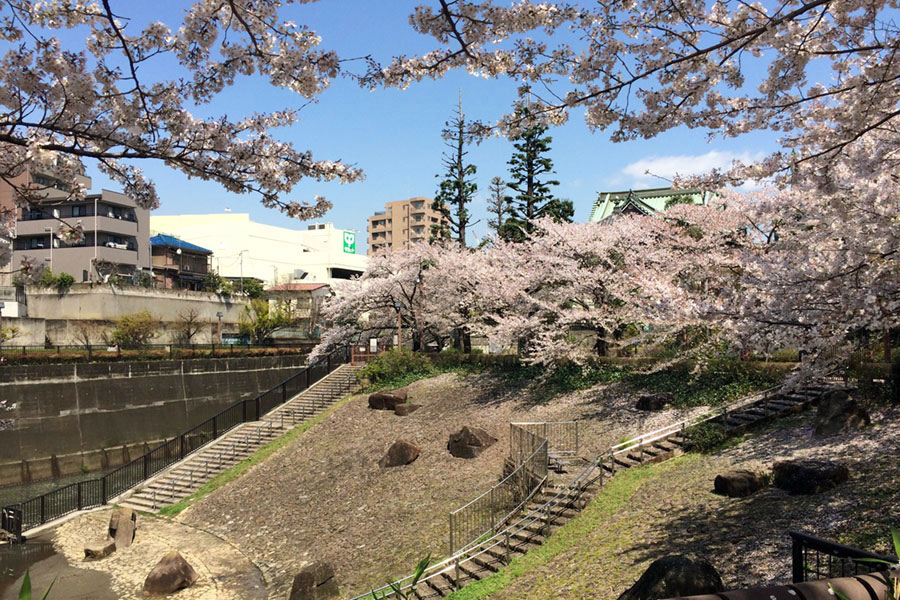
column 39, row 557
column 46, row 566
column 12, row 494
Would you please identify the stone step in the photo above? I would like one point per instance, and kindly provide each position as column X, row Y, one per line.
column 624, row 461
column 528, row 537
column 439, row 586
column 491, row 564
column 741, row 418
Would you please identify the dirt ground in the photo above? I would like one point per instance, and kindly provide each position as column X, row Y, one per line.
column 323, row 497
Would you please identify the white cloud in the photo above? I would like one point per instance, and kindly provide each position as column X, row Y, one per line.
column 657, row 171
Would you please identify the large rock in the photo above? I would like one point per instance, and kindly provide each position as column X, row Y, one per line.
column 809, row 476
column 838, row 412
column 99, row 549
column 673, row 576
column 122, row 527
column 654, row 402
column 469, row 442
column 740, row 483
column 400, row 453
column 403, row 410
column 387, row 400
column 315, row 582
column 171, row 573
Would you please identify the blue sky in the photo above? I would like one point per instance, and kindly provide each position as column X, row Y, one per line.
column 394, row 135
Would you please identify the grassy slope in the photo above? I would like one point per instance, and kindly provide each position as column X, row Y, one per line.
column 612, row 499
column 669, row 508
column 242, row 467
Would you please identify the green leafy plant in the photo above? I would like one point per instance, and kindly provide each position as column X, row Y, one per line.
column 213, row 282
column 893, row 590
column 396, row 588
column 64, row 281
column 261, row 319
column 253, row 288
column 705, row 437
column 25, row 590
column 396, row 366
column 134, row 330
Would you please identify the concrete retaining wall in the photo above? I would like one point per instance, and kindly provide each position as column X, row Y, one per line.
column 100, row 304
column 86, row 416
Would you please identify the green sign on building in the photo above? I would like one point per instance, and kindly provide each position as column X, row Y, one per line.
column 349, row 242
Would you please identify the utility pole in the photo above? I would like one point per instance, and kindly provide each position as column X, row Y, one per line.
column 399, row 306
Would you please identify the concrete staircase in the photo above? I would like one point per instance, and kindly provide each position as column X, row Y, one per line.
column 558, row 502
column 187, row 476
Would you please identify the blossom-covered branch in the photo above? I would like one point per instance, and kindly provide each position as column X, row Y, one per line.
column 59, row 104
column 822, row 73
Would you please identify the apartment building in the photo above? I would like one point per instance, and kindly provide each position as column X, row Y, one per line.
column 401, row 223
column 116, row 231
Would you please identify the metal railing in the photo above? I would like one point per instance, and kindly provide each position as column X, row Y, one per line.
column 171, row 351
column 492, row 509
column 814, row 558
column 596, row 473
column 561, row 436
column 57, row 503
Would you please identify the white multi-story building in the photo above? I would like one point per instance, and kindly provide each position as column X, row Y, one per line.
column 243, row 248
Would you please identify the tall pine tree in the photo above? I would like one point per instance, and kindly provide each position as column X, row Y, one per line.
column 498, row 203
column 458, row 187
column 529, row 167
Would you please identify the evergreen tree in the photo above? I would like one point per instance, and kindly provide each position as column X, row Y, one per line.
column 458, row 187
column 498, row 203
column 534, row 199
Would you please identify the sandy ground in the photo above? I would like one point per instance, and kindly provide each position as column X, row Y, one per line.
column 225, row 573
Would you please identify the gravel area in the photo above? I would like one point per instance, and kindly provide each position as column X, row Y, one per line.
column 225, row 573
column 323, row 497
column 675, row 511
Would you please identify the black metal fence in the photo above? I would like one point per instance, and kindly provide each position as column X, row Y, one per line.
column 814, row 558
column 95, row 492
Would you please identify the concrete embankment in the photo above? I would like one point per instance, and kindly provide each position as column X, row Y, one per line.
column 69, row 418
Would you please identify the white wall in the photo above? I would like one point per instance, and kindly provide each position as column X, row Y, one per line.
column 272, row 254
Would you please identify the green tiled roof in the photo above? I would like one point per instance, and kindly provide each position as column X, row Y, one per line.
column 645, row 201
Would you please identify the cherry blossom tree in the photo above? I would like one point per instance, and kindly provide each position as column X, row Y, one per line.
column 811, row 272
column 61, row 103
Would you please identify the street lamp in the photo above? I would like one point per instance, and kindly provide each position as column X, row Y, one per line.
column 220, row 315
column 399, row 305
column 180, row 267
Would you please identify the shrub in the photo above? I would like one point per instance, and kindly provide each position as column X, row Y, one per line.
column 395, row 365
column 253, row 288
column 135, row 330
column 569, row 377
column 64, row 281
column 705, row 437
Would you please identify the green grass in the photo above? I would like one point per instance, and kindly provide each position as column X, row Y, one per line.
column 612, row 498
column 257, row 457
